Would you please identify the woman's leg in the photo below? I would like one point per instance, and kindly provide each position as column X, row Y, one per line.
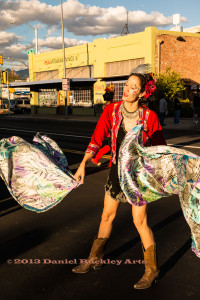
column 149, row 247
column 139, row 214
column 98, row 246
column 108, row 215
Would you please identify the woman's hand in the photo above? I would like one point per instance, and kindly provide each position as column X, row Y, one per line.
column 80, row 173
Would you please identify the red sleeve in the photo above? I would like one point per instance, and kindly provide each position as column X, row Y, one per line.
column 155, row 131
column 101, row 131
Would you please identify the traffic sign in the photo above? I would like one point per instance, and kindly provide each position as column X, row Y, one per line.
column 31, row 51
column 1, row 59
column 66, row 84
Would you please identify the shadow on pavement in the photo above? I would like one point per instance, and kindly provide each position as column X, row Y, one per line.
column 22, row 243
column 170, row 263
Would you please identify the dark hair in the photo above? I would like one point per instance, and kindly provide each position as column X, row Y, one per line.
column 144, row 78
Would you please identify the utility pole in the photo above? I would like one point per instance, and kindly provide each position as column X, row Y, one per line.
column 8, row 98
column 64, row 68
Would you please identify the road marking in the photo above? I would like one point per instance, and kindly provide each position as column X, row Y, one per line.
column 193, row 147
column 53, row 133
column 6, row 199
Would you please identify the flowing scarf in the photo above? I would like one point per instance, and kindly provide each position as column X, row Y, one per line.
column 150, row 173
column 37, row 176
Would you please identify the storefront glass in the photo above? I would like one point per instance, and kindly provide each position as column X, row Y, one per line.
column 48, row 98
column 118, row 87
column 80, row 98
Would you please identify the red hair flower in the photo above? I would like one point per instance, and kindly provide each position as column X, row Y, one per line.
column 149, row 88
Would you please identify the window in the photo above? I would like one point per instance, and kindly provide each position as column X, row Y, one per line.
column 118, row 87
column 80, row 98
column 48, row 97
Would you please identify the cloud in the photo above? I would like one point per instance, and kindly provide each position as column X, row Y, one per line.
column 56, row 43
column 7, row 38
column 79, row 19
column 52, row 30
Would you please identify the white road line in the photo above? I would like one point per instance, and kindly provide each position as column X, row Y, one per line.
column 6, row 199
column 193, row 147
column 53, row 133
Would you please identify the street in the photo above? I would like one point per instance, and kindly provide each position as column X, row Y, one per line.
column 38, row 251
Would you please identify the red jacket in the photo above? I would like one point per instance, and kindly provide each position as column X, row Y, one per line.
column 110, row 121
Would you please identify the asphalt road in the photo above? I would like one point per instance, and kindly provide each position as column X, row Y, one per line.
column 31, row 244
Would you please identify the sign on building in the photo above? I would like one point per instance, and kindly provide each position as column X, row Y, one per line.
column 66, row 84
column 31, row 51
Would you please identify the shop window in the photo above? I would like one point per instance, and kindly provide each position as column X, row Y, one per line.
column 80, row 98
column 48, row 98
column 47, row 75
column 80, row 72
column 123, row 67
column 118, row 87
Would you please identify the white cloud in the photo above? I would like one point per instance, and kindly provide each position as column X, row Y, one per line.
column 7, row 38
column 52, row 30
column 56, row 42
column 79, row 19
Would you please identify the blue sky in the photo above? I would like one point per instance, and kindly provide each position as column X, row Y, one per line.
column 84, row 21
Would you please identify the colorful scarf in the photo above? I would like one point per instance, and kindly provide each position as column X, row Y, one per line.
column 37, row 176
column 149, row 173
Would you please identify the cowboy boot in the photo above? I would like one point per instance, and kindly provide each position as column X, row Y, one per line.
column 93, row 261
column 151, row 270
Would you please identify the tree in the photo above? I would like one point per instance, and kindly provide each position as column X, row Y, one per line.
column 168, row 85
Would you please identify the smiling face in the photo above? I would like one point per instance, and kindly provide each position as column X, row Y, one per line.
column 132, row 89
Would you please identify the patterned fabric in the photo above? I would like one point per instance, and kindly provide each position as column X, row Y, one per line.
column 37, row 176
column 92, row 148
column 117, row 119
column 149, row 173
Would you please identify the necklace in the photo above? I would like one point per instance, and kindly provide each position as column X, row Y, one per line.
column 128, row 114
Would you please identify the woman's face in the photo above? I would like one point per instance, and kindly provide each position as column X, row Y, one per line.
column 132, row 89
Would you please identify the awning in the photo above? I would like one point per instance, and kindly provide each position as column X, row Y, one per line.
column 53, row 82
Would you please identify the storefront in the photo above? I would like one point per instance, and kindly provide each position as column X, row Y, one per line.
column 52, row 100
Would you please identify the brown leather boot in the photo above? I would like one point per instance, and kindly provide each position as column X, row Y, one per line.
column 96, row 253
column 151, row 270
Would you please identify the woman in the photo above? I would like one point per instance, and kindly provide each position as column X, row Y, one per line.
column 119, row 118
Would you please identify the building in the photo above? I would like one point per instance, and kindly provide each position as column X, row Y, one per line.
column 92, row 66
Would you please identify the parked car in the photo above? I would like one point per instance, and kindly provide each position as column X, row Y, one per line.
column 20, row 105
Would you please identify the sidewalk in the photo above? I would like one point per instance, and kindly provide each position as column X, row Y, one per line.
column 186, row 123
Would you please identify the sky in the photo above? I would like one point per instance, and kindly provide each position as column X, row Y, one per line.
column 84, row 21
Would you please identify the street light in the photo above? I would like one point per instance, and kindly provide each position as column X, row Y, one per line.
column 63, row 40
column 36, row 34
